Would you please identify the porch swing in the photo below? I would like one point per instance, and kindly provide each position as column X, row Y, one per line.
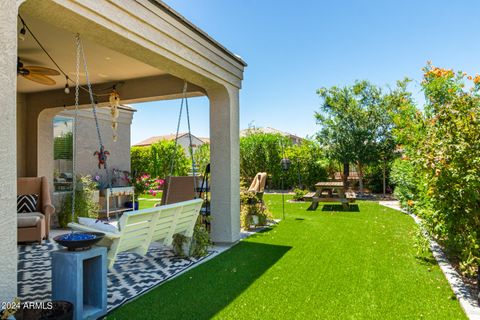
column 136, row 229
column 180, row 188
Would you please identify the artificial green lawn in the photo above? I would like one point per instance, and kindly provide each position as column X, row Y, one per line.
column 315, row 265
column 148, row 201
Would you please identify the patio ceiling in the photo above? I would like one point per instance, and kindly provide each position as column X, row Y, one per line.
column 105, row 65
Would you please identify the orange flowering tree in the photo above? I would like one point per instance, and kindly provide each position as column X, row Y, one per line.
column 442, row 146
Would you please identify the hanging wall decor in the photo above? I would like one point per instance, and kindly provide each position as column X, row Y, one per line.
column 114, row 111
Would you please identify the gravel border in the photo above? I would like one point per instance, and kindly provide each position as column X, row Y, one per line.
column 467, row 301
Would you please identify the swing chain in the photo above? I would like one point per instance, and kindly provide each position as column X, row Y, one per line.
column 172, row 164
column 74, row 147
column 81, row 54
column 191, row 144
column 94, row 110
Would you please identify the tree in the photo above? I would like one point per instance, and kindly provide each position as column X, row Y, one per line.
column 156, row 160
column 202, row 157
column 308, row 164
column 389, row 109
column 353, row 124
column 140, row 160
column 162, row 154
column 262, row 152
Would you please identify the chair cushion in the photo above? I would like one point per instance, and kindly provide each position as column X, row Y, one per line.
column 29, row 219
column 99, row 225
column 27, row 203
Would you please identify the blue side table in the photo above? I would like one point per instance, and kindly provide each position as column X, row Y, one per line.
column 80, row 277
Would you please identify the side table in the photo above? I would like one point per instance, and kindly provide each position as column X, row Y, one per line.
column 80, row 277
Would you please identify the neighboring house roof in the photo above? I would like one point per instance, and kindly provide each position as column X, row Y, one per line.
column 248, row 131
column 167, row 9
column 168, row 137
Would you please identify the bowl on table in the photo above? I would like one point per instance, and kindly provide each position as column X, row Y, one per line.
column 74, row 241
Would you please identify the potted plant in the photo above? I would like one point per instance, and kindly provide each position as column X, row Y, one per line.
column 85, row 206
column 196, row 246
column 253, row 210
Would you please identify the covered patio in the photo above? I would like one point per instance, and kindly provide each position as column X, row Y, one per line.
column 148, row 48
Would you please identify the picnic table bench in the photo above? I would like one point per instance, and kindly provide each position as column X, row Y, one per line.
column 329, row 191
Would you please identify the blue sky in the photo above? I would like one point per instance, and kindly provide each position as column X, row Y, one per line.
column 295, row 47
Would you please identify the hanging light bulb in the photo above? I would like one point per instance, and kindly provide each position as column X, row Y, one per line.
column 22, row 33
column 67, row 88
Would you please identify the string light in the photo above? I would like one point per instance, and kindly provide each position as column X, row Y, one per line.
column 67, row 89
column 23, row 32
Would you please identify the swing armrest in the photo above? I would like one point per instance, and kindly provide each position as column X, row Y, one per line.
column 80, row 227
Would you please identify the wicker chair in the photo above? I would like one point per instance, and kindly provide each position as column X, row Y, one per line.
column 35, row 226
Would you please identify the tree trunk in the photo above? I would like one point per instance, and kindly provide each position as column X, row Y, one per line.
column 384, row 178
column 346, row 173
column 360, row 177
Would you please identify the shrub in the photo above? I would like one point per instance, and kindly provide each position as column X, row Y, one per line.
column 202, row 157
column 442, row 157
column 309, row 164
column 146, row 184
column 85, row 206
column 197, row 246
column 374, row 177
column 261, row 152
column 404, row 179
column 299, row 194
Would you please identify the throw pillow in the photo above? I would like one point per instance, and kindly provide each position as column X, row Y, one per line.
column 27, row 203
column 98, row 225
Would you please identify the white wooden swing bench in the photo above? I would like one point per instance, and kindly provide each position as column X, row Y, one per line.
column 138, row 229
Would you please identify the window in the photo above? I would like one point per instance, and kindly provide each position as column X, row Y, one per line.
column 62, row 153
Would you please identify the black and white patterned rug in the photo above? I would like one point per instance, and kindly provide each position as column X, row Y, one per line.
column 131, row 275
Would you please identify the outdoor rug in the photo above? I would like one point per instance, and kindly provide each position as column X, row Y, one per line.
column 131, row 275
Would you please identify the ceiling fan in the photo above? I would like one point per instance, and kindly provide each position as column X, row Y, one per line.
column 37, row 74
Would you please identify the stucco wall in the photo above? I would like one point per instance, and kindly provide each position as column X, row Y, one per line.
column 8, row 159
column 87, row 141
column 21, row 134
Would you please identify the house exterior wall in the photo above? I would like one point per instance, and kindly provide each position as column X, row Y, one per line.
column 21, row 135
column 8, row 158
column 184, row 141
column 87, row 141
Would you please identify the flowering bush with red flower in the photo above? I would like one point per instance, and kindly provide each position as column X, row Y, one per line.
column 146, row 184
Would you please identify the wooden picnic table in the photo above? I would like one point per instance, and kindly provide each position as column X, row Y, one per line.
column 329, row 191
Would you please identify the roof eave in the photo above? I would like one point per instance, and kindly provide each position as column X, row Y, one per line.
column 167, row 9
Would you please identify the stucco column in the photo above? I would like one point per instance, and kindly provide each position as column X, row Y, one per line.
column 8, row 165
column 225, row 164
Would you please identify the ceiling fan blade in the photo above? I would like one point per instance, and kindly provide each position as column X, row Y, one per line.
column 42, row 71
column 39, row 78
